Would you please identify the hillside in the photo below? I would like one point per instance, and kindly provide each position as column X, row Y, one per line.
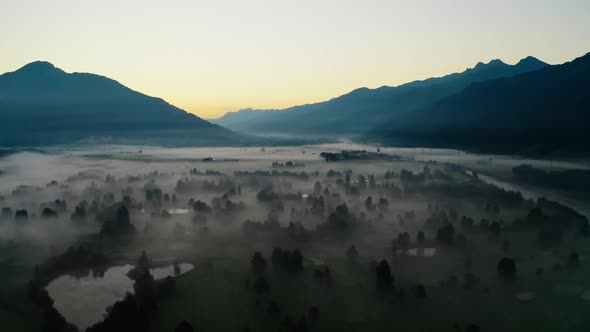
column 363, row 109
column 41, row 104
column 541, row 111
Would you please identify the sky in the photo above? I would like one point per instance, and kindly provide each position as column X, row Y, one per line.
column 211, row 57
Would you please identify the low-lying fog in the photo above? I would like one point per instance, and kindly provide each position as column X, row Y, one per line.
column 205, row 207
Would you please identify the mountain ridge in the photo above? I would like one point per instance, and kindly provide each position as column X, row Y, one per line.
column 536, row 111
column 42, row 104
column 362, row 109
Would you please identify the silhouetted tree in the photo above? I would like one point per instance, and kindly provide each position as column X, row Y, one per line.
column 143, row 262
column 573, row 259
column 297, row 262
column 420, row 237
column 420, row 292
column 506, row 269
column 167, row 287
column 384, row 278
column 313, row 314
column 352, row 253
column 317, row 188
column 21, row 214
column 273, row 309
column 302, row 324
column 383, row 204
column 446, row 234
column 48, row 213
column 495, row 229
column 261, row 286
column 53, row 321
column 258, row 263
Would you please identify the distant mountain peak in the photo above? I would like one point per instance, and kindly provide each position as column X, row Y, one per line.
column 39, row 67
column 41, row 104
column 531, row 61
column 493, row 63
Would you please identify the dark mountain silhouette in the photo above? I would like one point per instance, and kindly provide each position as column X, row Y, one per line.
column 536, row 112
column 363, row 109
column 41, row 104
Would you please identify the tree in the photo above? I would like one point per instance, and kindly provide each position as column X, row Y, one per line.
column 184, row 326
column 369, row 206
column 383, row 204
column 446, row 234
column 201, row 207
column 273, row 309
column 384, row 278
column 125, row 315
column 420, row 292
column 313, row 314
column 362, row 182
column 166, row 287
column 48, row 213
column 317, row 188
column 352, row 253
column 145, row 287
column 117, row 223
column 296, row 262
column 123, row 217
column 21, row 214
column 53, row 321
column 261, row 286
column 302, row 324
column 420, row 237
column 258, row 263
column 372, row 183
column 403, row 239
column 506, row 269
column 495, row 229
column 143, row 263
column 347, row 181
column 573, row 259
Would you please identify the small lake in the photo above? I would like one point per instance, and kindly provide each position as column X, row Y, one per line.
column 83, row 301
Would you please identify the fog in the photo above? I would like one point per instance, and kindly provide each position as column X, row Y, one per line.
column 92, row 210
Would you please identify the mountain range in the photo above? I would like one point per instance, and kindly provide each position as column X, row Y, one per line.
column 538, row 112
column 529, row 107
column 41, row 105
column 364, row 109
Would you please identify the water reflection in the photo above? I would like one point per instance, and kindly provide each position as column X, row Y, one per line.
column 83, row 297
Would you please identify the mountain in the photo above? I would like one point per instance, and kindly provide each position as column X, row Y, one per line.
column 543, row 111
column 41, row 104
column 363, row 109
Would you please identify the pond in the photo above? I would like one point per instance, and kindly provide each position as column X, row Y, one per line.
column 83, row 301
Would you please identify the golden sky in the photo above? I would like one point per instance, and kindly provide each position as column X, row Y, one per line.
column 210, row 57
